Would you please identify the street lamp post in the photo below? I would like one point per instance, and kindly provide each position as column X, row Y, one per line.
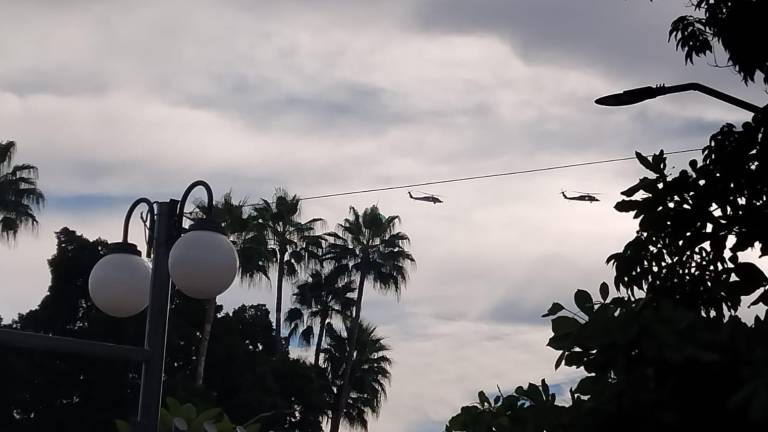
column 200, row 261
column 640, row 94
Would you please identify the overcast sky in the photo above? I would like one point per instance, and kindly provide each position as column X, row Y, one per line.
column 113, row 102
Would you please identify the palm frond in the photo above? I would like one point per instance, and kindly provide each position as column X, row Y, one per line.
column 7, row 151
column 292, row 316
column 307, row 336
column 370, row 373
column 19, row 195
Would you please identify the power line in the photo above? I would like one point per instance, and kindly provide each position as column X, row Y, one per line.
column 485, row 176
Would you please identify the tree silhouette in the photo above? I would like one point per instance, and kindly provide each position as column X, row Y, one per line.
column 373, row 248
column 19, row 195
column 246, row 373
column 369, row 373
column 669, row 351
column 737, row 26
column 672, row 329
column 325, row 295
column 250, row 241
column 290, row 241
column 43, row 391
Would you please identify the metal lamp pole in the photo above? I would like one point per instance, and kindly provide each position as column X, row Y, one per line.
column 150, row 397
column 167, row 229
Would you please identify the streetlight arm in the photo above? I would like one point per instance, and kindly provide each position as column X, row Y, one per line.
column 127, row 222
column 709, row 91
column 185, row 197
column 637, row 95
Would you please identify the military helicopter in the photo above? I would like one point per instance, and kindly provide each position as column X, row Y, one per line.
column 583, row 196
column 427, row 197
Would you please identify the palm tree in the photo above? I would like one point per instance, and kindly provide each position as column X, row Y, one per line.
column 318, row 300
column 291, row 241
column 373, row 248
column 19, row 195
column 249, row 239
column 370, row 373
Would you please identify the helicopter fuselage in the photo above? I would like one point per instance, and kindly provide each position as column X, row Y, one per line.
column 585, row 198
column 429, row 198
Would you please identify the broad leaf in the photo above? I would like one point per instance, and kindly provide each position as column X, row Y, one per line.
column 584, row 302
column 564, row 325
column 553, row 310
column 604, row 291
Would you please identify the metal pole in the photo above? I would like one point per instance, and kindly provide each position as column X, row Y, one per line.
column 157, row 318
column 732, row 100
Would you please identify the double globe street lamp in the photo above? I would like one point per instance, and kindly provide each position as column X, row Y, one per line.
column 198, row 260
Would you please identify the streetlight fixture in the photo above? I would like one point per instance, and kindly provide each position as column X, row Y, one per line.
column 119, row 282
column 640, row 94
column 200, row 260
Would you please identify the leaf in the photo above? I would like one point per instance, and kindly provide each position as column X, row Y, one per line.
column 659, row 162
column 604, row 291
column 559, row 361
column 122, row 426
column 645, row 162
column 575, row 358
column 204, row 417
column 179, row 424
column 484, row 401
column 188, row 412
column 645, row 184
column 761, row 299
column 564, row 324
column 553, row 310
column 174, row 407
column 587, row 385
column 626, row 206
column 496, row 400
column 533, row 393
column 750, row 273
column 561, row 342
column 584, row 302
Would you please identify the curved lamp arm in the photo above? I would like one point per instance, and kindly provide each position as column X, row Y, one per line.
column 640, row 94
column 151, row 211
column 185, row 196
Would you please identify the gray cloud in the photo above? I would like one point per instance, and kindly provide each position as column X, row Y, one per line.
column 114, row 101
column 626, row 40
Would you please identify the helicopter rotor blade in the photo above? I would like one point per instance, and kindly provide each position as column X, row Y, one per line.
column 589, row 193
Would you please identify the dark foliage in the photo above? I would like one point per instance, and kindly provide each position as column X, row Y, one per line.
column 668, row 352
column 19, row 195
column 245, row 374
column 736, row 25
column 369, row 376
column 45, row 391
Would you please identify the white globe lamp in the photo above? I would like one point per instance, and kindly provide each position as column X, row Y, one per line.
column 203, row 262
column 119, row 282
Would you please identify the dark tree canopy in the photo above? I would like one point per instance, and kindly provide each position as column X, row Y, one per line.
column 19, row 195
column 738, row 26
column 668, row 351
column 246, row 374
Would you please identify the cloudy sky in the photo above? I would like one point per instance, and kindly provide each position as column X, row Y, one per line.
column 113, row 102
